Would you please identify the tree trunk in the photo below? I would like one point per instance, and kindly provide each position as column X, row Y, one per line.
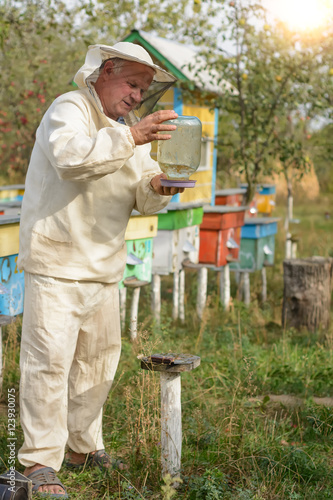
column 307, row 293
column 290, row 203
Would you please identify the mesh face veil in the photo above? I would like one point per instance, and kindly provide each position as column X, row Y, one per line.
column 151, row 97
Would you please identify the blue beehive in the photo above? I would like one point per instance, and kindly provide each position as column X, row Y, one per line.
column 11, row 279
column 257, row 248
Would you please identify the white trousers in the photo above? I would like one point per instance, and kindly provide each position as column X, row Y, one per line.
column 70, row 349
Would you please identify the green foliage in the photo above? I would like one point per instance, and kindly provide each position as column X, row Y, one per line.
column 321, row 152
column 111, row 21
column 212, row 485
column 41, row 47
column 280, row 79
column 169, row 488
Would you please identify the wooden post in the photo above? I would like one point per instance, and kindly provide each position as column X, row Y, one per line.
column 122, row 306
column 182, row 295
column 175, row 296
column 170, row 366
column 288, row 246
column 294, row 249
column 294, row 241
column 202, row 290
column 156, row 297
column 224, row 277
column 136, row 285
column 171, row 423
column 134, row 313
column 307, row 292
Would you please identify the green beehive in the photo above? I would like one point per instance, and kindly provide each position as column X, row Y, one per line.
column 139, row 262
column 179, row 215
column 257, row 248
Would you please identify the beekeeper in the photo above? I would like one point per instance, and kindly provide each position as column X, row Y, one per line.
column 90, row 167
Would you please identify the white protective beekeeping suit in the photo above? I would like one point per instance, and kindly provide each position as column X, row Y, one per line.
column 85, row 177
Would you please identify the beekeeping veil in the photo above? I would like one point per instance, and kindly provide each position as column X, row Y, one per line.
column 98, row 54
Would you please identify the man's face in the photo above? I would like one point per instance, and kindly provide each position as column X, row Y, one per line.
column 121, row 92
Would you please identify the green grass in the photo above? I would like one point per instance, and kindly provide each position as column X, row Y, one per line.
column 239, row 442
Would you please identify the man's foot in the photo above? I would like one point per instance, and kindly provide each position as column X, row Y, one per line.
column 45, row 480
column 97, row 458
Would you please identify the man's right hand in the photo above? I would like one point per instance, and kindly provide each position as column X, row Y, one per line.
column 147, row 130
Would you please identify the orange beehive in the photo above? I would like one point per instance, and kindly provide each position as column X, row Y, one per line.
column 232, row 197
column 220, row 234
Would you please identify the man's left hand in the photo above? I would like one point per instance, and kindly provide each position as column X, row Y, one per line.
column 164, row 190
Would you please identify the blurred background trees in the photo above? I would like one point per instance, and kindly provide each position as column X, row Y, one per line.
column 41, row 48
column 278, row 120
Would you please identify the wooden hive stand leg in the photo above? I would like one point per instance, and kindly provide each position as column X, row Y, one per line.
column 224, row 277
column 134, row 313
column 156, row 297
column 122, row 306
column 202, row 290
column 182, row 295
column 175, row 296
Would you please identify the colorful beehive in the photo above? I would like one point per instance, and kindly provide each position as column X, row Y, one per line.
column 177, row 238
column 184, row 63
column 12, row 280
column 14, row 192
column 220, row 234
column 233, row 197
column 257, row 247
column 265, row 199
column 263, row 202
column 10, row 207
column 139, row 241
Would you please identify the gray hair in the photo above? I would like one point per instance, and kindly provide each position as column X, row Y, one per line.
column 118, row 63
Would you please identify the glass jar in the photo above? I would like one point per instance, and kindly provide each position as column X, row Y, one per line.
column 180, row 156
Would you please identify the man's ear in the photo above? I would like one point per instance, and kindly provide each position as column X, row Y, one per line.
column 108, row 67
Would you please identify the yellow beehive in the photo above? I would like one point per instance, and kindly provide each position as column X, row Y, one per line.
column 265, row 203
column 140, row 227
column 9, row 235
column 13, row 192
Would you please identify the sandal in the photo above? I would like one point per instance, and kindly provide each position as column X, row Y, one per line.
column 99, row 459
column 43, row 476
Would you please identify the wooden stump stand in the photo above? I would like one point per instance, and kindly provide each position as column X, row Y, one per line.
column 170, row 366
column 307, row 292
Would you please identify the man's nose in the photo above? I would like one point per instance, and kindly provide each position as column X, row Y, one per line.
column 136, row 95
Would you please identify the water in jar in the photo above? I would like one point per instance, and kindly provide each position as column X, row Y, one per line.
column 179, row 157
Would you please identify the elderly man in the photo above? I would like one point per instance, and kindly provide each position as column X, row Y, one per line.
column 90, row 167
